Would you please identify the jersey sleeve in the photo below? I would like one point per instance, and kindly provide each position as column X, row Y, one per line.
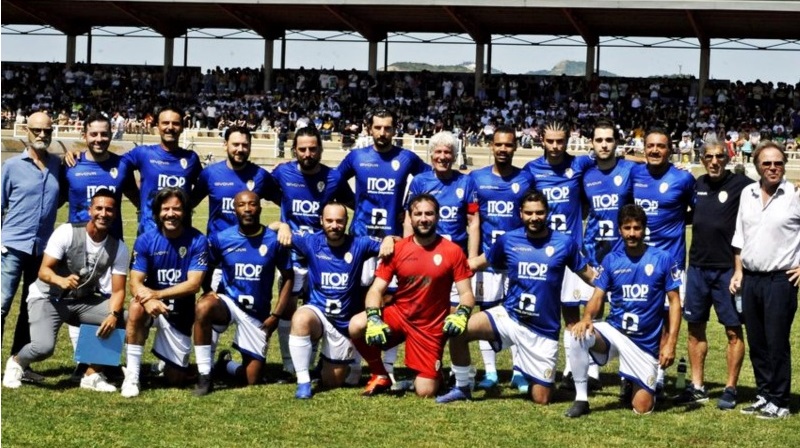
column 496, row 255
column 214, row 254
column 576, row 261
column 418, row 165
column 673, row 273
column 385, row 269
column 199, row 255
column 131, row 158
column 414, row 188
column 461, row 269
column 141, row 255
column 342, row 193
column 200, row 189
column 269, row 187
column 373, row 245
column 345, row 168
column 603, row 279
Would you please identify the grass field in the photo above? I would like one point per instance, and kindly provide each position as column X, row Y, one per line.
column 59, row 414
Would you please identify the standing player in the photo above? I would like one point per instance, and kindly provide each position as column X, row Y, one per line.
column 426, row 266
column 665, row 193
column 166, row 272
column 529, row 318
column 335, row 260
column 247, row 255
column 636, row 282
column 499, row 188
column 163, row 165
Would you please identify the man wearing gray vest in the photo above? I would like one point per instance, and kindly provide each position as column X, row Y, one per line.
column 81, row 280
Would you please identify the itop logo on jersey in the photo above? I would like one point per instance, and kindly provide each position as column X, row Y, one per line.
column 334, row 280
column 500, row 208
column 605, row 202
column 165, row 180
column 169, row 276
column 380, row 185
column 533, row 271
column 556, row 194
column 305, row 208
column 92, row 189
column 635, row 292
column 247, row 271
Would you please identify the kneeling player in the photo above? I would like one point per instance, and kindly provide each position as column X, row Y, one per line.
column 636, row 281
column 247, row 255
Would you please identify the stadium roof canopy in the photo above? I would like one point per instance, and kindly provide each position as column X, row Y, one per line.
column 480, row 19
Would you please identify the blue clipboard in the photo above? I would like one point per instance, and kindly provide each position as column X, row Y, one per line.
column 92, row 349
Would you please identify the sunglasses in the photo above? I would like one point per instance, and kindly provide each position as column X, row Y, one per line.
column 607, row 140
column 37, row 131
column 710, row 157
column 778, row 164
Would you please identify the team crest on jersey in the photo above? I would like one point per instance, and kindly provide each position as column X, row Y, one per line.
column 648, row 269
column 618, row 180
column 184, row 163
column 113, row 173
column 182, row 251
column 395, row 165
column 549, row 250
column 460, row 193
column 348, row 257
column 723, row 196
column 320, row 186
column 651, row 381
column 548, row 373
column 262, row 250
column 663, row 187
column 515, row 187
column 568, row 172
column 251, row 184
column 437, row 259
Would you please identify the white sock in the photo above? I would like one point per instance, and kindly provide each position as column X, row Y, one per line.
column 301, row 350
column 567, row 344
column 489, row 357
column 134, row 362
column 232, row 367
column 578, row 355
column 462, row 375
column 202, row 354
column 594, row 369
column 660, row 377
column 73, row 335
column 389, row 357
column 513, row 350
column 284, row 327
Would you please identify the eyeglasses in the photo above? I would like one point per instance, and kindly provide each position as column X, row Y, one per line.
column 601, row 140
column 710, row 157
column 776, row 164
column 37, row 131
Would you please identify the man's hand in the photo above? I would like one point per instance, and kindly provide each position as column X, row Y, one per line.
column 794, row 276
column 285, row 235
column 736, row 282
column 155, row 308
column 70, row 157
column 666, row 357
column 144, row 295
column 387, row 247
column 68, row 283
column 456, row 323
column 270, row 324
column 377, row 330
column 107, row 326
column 582, row 328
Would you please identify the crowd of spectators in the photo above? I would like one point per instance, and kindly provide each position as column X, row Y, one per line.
column 336, row 101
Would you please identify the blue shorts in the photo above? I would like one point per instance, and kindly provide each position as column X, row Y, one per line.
column 704, row 287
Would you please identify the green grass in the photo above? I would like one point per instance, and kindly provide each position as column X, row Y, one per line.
column 60, row 414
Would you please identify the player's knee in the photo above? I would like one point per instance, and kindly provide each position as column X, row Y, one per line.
column 302, row 322
column 539, row 394
column 734, row 335
column 40, row 350
column 204, row 307
column 426, row 389
column 357, row 325
column 697, row 330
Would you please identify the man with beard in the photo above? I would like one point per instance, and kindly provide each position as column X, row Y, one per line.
column 499, row 187
column 426, row 266
column 29, row 204
column 334, row 260
column 247, row 255
column 529, row 318
column 167, row 270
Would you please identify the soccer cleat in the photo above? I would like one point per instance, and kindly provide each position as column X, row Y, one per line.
column 376, row 385
column 578, row 409
column 220, row 367
column 727, row 400
column 12, row 378
column 567, row 382
column 78, row 373
column 773, row 412
column 489, row 381
column 690, row 395
column 594, row 384
column 755, row 407
column 130, row 388
column 29, row 376
column 204, row 385
column 455, row 394
column 97, row 382
column 625, row 393
column 519, row 381
column 303, row 391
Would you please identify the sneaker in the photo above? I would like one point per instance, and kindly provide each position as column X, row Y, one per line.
column 727, row 401
column 489, row 381
column 755, row 407
column 577, row 409
column 772, row 412
column 204, row 385
column 78, row 373
column 567, row 382
column 625, row 393
column 455, row 394
column 691, row 395
column 221, row 366
column 97, row 382
column 130, row 388
column 29, row 376
column 303, row 391
column 376, row 385
column 519, row 381
column 13, row 375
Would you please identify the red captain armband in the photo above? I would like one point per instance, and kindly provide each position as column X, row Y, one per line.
column 472, row 208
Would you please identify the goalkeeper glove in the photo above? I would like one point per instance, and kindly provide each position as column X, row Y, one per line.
column 377, row 330
column 456, row 323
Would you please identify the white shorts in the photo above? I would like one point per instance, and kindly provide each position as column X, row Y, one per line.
column 170, row 345
column 300, row 279
column 336, row 347
column 681, row 292
column 216, row 277
column 634, row 363
column 368, row 273
column 536, row 355
column 455, row 299
column 489, row 288
column 249, row 338
column 574, row 291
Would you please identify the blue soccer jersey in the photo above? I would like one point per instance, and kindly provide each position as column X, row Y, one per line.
column 334, row 274
column 88, row 176
column 635, row 288
column 561, row 184
column 498, row 202
column 605, row 192
column 166, row 262
column 159, row 168
column 248, row 266
column 381, row 179
column 665, row 199
column 535, row 269
column 221, row 184
column 456, row 197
